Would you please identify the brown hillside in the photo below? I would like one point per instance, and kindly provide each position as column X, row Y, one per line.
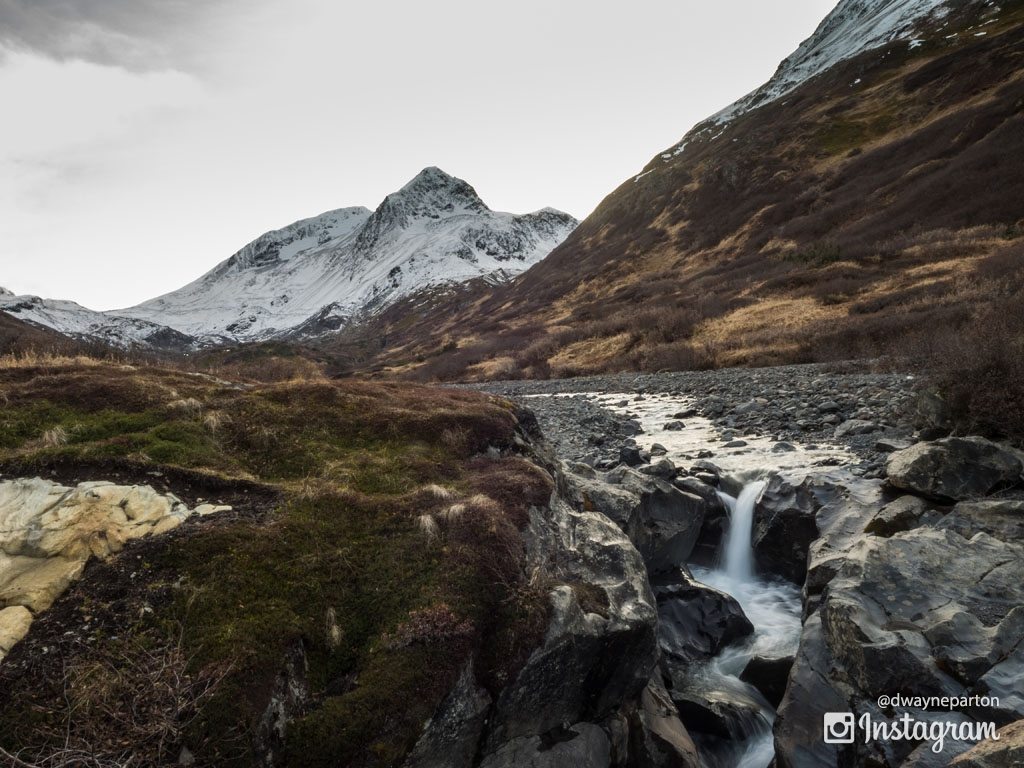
column 878, row 203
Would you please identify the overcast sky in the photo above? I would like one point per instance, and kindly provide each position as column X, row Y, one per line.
column 144, row 141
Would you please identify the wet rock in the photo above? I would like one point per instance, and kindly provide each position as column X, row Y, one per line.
column 785, row 526
column 696, row 621
column 583, row 745
column 893, row 608
column 662, row 521
column 769, row 675
column 451, row 738
column 954, row 468
column 687, row 413
column 657, row 449
column 657, row 737
column 735, row 444
column 813, row 690
column 674, row 426
column 899, row 515
column 783, row 447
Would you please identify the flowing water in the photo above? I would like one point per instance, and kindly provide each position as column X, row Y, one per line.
column 772, row 606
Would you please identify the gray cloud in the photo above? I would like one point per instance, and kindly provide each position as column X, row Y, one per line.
column 136, row 34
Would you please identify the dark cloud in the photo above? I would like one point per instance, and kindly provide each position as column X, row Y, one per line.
column 138, row 34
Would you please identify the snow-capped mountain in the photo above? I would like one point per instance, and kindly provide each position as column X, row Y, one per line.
column 853, row 27
column 321, row 273
column 84, row 324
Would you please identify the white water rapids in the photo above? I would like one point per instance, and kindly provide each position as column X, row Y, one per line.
column 773, row 606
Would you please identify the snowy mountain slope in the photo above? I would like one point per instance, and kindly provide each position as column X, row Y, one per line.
column 78, row 322
column 320, row 273
column 852, row 28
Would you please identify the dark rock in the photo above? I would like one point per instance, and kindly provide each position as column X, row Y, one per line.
column 783, row 447
column 674, row 426
column 662, row 468
column 891, row 444
column 769, row 675
column 932, row 416
column 452, row 736
column 657, row 738
column 735, row 444
column 954, row 468
column 696, row 621
column 688, row 413
column 899, row 515
column 658, row 450
column 1003, row 519
column 785, row 526
column 630, row 456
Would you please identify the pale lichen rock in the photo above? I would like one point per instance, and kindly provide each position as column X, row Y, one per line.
column 48, row 532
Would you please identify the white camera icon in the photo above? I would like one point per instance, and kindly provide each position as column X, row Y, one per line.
column 839, row 727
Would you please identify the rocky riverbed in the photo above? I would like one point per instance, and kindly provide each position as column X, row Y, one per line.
column 902, row 546
column 867, row 413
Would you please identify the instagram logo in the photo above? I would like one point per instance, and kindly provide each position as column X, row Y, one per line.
column 839, row 727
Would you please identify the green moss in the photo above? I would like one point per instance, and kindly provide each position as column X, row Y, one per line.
column 338, row 570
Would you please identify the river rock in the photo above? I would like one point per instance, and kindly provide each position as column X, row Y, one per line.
column 785, row 524
column 696, row 621
column 954, row 468
column 899, row 515
column 657, row 738
column 662, row 521
column 583, row 745
column 588, row 663
column 853, row 427
column 1003, row 519
column 770, row 675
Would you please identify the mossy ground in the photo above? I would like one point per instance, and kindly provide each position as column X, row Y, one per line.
column 393, row 556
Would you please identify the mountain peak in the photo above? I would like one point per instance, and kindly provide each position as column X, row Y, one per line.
column 432, row 191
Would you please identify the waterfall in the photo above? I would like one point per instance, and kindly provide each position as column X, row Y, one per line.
column 739, row 554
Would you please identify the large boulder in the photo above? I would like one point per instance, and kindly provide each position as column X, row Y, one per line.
column 770, row 675
column 1003, row 519
column 696, row 621
column 662, row 521
column 657, row 738
column 954, row 468
column 785, row 523
column 588, row 663
column 924, row 612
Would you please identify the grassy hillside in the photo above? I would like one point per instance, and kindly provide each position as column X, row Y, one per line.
column 374, row 547
column 876, row 206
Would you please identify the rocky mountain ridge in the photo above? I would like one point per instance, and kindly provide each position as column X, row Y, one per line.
column 321, row 273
